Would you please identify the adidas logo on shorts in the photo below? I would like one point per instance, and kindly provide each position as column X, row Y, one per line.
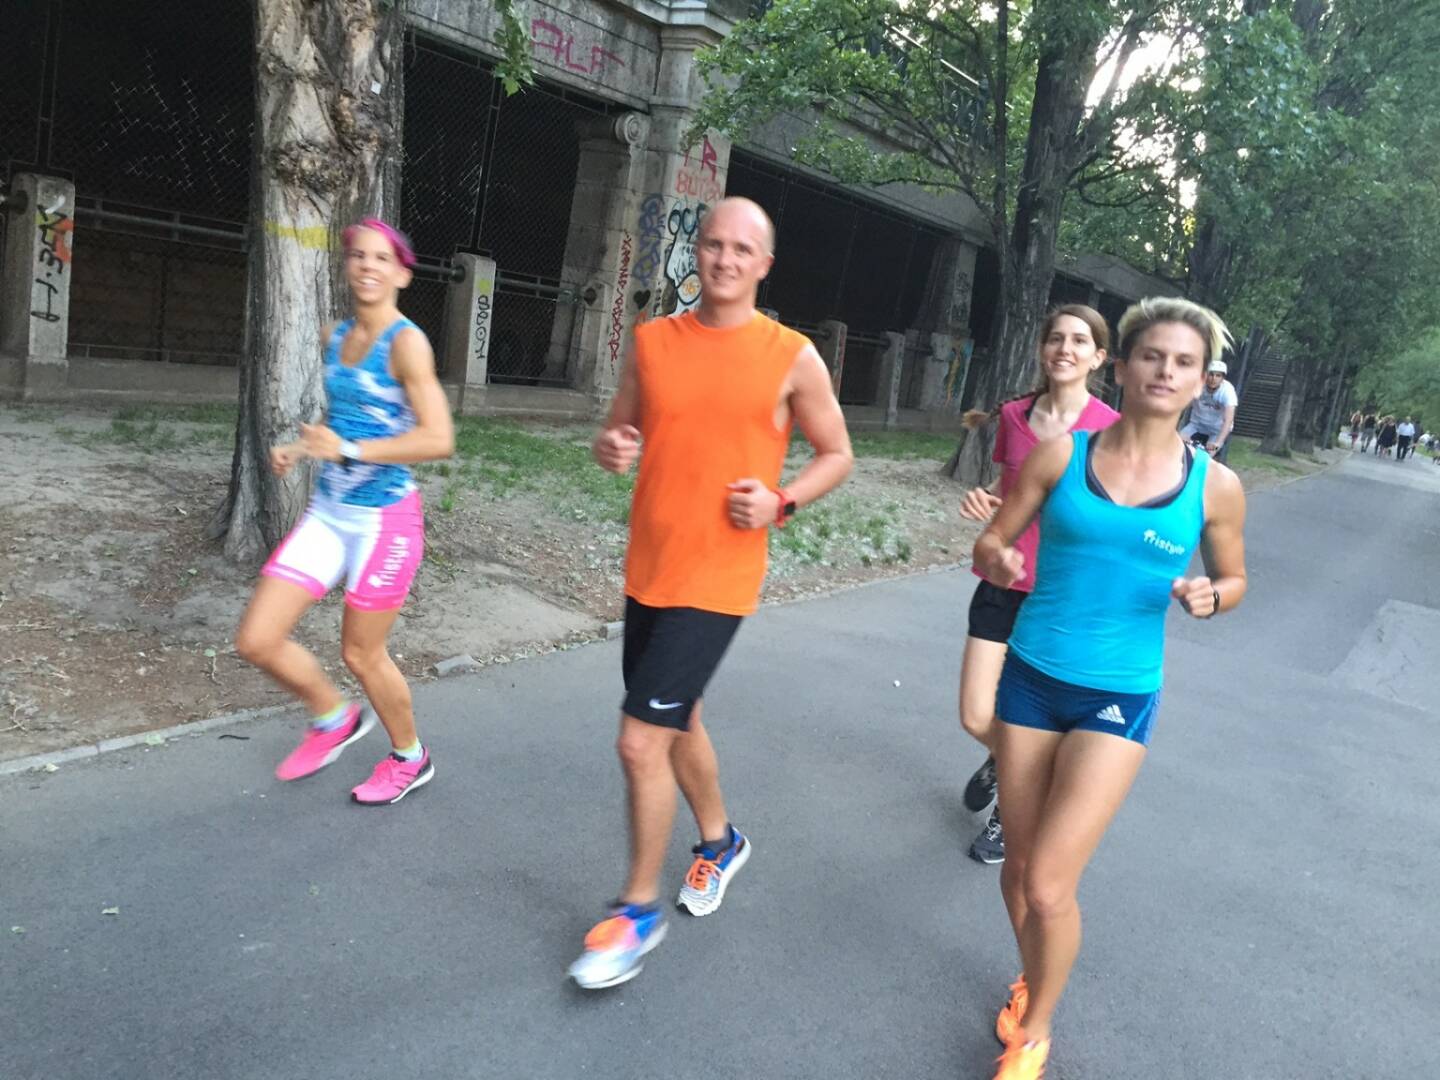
column 1111, row 714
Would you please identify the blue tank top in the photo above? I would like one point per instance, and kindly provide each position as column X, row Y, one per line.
column 365, row 402
column 1102, row 580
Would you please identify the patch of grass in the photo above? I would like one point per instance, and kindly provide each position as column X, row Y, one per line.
column 502, row 458
column 211, row 413
column 840, row 529
column 1245, row 455
column 904, row 445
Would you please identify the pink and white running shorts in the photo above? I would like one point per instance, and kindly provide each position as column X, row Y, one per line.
column 377, row 549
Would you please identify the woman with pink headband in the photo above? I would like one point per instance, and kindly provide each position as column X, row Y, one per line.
column 386, row 411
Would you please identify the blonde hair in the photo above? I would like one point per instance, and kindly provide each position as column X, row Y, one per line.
column 1154, row 310
column 1099, row 333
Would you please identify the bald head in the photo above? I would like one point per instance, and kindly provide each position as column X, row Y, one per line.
column 738, row 212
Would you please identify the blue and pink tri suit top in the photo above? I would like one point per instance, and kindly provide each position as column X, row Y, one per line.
column 365, row 522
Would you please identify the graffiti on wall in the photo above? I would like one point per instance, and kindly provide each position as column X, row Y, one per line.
column 484, row 287
column 652, row 241
column 53, row 258
column 959, row 363
column 700, row 179
column 681, row 289
column 617, row 310
column 558, row 44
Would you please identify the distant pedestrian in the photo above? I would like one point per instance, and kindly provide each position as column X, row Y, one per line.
column 1367, row 432
column 1388, row 437
column 1357, row 421
column 1405, row 435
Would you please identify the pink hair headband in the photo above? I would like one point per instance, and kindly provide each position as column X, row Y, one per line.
column 399, row 242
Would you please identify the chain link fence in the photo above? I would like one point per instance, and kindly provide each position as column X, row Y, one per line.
column 494, row 174
column 148, row 110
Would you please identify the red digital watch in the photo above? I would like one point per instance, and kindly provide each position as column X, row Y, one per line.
column 786, row 510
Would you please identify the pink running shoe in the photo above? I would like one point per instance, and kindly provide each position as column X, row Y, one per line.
column 320, row 748
column 393, row 779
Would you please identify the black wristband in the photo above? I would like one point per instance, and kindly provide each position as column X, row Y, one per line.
column 1216, row 609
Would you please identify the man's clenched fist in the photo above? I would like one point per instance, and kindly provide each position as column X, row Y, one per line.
column 616, row 448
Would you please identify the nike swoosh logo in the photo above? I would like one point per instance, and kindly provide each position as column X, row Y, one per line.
column 655, row 703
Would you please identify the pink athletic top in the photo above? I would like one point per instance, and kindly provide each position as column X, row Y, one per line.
column 1013, row 443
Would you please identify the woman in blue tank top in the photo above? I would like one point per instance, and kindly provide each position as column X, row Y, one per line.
column 1121, row 514
column 364, row 526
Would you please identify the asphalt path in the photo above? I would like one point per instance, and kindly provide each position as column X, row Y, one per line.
column 1262, row 908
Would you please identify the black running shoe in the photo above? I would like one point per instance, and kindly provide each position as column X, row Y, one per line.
column 980, row 791
column 989, row 846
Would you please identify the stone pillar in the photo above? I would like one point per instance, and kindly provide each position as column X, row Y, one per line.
column 599, row 252
column 830, row 343
column 469, row 313
column 945, row 317
column 892, row 371
column 35, row 280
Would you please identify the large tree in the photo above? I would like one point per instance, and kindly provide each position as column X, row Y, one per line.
column 1017, row 105
column 327, row 146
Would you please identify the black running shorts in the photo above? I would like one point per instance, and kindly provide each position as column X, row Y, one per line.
column 670, row 654
column 993, row 611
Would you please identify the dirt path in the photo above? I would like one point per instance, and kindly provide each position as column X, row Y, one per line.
column 116, row 612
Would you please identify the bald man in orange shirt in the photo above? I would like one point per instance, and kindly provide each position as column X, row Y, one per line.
column 711, row 396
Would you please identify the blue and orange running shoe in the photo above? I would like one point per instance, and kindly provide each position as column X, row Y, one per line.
column 710, row 874
column 615, row 948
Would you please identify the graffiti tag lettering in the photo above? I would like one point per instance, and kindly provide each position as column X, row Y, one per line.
column 691, row 180
column 617, row 310
column 546, row 37
column 56, row 232
column 482, row 316
column 652, row 236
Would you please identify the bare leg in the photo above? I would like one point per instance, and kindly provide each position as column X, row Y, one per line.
column 362, row 644
column 645, row 754
column 263, row 639
column 692, row 757
column 1092, row 775
column 979, row 678
column 1024, row 764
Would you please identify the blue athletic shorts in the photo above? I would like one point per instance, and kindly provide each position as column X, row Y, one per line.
column 1030, row 698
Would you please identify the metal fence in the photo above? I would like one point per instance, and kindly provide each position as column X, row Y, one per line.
column 495, row 174
column 147, row 109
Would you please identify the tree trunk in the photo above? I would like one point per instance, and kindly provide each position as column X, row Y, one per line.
column 1291, row 394
column 327, row 149
column 1337, row 398
column 1027, row 259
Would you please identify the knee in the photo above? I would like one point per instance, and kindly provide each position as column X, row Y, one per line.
column 255, row 646
column 1048, row 895
column 977, row 720
column 639, row 750
column 361, row 659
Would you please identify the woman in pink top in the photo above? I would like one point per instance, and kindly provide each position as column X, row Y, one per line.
column 1073, row 341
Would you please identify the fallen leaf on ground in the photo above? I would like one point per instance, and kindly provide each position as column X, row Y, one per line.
column 110, row 911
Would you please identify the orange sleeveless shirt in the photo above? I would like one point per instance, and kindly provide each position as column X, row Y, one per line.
column 707, row 418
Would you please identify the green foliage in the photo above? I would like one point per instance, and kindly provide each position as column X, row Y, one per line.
column 515, row 68
column 1406, row 383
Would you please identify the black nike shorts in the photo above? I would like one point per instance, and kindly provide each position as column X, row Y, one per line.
column 670, row 654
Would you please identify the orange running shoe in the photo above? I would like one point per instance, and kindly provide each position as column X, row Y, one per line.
column 1024, row 1061
column 1008, row 1022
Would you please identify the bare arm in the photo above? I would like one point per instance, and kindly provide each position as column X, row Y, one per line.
column 433, row 437
column 995, row 555
column 812, row 403
column 1222, row 548
column 1226, row 427
column 617, row 444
